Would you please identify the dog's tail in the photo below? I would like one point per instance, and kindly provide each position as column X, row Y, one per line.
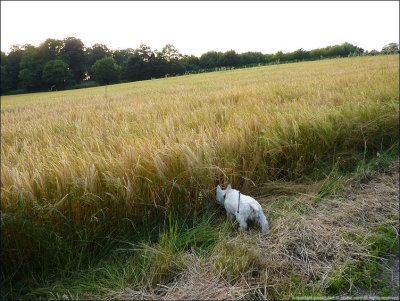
column 263, row 221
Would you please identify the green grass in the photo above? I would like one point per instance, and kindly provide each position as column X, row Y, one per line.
column 155, row 257
column 383, row 243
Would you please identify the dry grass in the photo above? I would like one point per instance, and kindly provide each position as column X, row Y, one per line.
column 198, row 280
column 78, row 166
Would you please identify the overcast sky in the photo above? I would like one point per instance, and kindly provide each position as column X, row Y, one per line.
column 197, row 27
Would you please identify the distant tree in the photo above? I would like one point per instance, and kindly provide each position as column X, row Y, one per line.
column 268, row 58
column 191, row 62
column 31, row 69
column 144, row 53
column 73, row 54
column 334, row 51
column 35, row 68
column 137, row 69
column 301, row 54
column 95, row 53
column 12, row 65
column 391, row 48
column 121, row 56
column 143, row 64
column 3, row 58
column 288, row 56
column 50, row 49
column 348, row 49
column 5, row 80
column 210, row 59
column 156, row 68
column 56, row 74
column 170, row 53
column 106, row 71
column 279, row 56
column 342, row 50
column 5, row 85
column 176, row 67
column 229, row 58
column 168, row 61
column 248, row 58
column 318, row 53
column 373, row 52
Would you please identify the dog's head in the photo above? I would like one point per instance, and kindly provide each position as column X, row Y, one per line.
column 221, row 194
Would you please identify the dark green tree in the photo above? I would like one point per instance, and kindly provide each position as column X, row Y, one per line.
column 56, row 74
column 373, row 52
column 279, row 56
column 121, row 56
column 301, row 54
column 95, row 53
column 335, row 51
column 12, row 65
column 318, row 53
column 73, row 54
column 268, row 58
column 106, row 71
column 169, row 61
column 5, row 85
column 50, row 49
column 288, row 56
column 5, row 79
column 136, row 69
column 249, row 58
column 31, row 69
column 3, row 59
column 210, row 59
column 191, row 62
column 143, row 64
column 229, row 58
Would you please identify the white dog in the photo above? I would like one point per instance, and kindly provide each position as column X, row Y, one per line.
column 242, row 207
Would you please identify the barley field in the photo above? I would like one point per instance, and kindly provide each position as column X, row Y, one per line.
column 82, row 165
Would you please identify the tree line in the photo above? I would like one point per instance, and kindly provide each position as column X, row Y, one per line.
column 66, row 64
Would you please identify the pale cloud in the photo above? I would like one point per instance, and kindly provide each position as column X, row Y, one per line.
column 197, row 27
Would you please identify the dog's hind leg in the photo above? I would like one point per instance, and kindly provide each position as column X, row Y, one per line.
column 242, row 223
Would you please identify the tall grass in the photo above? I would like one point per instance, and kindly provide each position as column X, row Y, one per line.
column 79, row 167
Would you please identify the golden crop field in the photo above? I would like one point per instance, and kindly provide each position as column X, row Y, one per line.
column 88, row 163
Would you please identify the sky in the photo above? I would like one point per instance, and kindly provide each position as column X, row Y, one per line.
column 201, row 26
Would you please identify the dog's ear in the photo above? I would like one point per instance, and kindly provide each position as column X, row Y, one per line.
column 219, row 188
column 229, row 187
